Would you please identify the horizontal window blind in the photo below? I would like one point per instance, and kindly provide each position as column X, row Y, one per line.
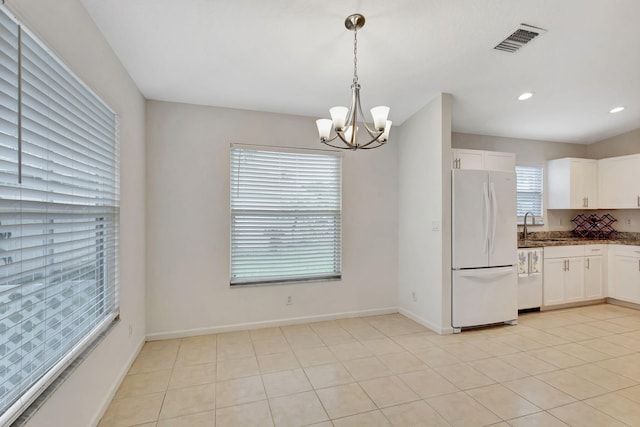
column 58, row 216
column 285, row 216
column 529, row 190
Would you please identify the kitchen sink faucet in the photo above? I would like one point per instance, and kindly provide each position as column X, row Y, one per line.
column 524, row 228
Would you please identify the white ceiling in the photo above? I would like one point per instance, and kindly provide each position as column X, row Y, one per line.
column 295, row 57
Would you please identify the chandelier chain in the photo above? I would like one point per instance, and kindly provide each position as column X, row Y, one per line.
column 355, row 56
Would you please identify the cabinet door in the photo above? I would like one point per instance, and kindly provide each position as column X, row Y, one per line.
column 500, row 161
column 618, row 182
column 593, row 277
column 553, row 283
column 574, row 280
column 626, row 278
column 583, row 181
column 467, row 159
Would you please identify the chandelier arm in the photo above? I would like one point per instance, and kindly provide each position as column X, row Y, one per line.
column 374, row 139
column 373, row 133
column 364, row 147
column 337, row 146
column 330, row 139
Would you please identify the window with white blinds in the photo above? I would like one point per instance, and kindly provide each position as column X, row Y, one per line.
column 529, row 191
column 58, row 217
column 285, row 216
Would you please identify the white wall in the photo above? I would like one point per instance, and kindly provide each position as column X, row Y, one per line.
column 188, row 225
column 424, row 199
column 66, row 28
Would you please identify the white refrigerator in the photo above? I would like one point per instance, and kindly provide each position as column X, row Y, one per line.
column 484, row 248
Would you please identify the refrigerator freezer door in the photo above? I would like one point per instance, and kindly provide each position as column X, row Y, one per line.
column 484, row 296
column 471, row 218
column 503, row 244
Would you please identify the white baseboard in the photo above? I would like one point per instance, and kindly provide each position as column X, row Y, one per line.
column 442, row 330
column 115, row 385
column 267, row 324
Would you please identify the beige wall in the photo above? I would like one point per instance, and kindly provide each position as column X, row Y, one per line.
column 188, row 217
column 527, row 151
column 620, row 145
column 424, row 253
column 531, row 153
column 65, row 27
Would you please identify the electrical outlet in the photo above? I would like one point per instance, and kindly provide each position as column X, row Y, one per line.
column 628, row 221
column 289, row 300
column 435, row 225
column 413, row 296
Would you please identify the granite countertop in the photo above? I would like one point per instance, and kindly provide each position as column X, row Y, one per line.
column 565, row 238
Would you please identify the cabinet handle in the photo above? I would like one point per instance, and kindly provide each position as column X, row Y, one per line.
column 639, row 265
column 584, row 202
column 587, row 263
column 638, row 201
column 568, row 265
column 587, row 203
column 459, row 163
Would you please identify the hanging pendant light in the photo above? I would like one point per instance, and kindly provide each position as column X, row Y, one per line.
column 346, row 122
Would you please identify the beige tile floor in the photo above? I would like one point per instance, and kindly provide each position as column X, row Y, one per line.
column 578, row 367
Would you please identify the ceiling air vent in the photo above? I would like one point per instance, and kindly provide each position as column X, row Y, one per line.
column 519, row 37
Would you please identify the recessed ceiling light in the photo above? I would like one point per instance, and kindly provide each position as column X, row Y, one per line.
column 524, row 96
column 616, row 110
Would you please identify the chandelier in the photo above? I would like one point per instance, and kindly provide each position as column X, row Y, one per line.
column 344, row 121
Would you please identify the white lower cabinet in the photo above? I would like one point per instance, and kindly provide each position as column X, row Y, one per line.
column 624, row 277
column 594, row 277
column 574, row 280
column 573, row 274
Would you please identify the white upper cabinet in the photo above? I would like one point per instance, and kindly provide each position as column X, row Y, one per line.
column 483, row 160
column 619, row 182
column 572, row 183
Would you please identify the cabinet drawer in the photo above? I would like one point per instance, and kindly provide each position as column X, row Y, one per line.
column 563, row 251
column 592, row 250
column 626, row 250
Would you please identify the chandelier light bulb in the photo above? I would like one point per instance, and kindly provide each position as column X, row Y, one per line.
column 385, row 134
column 339, row 117
column 348, row 132
column 380, row 115
column 324, row 128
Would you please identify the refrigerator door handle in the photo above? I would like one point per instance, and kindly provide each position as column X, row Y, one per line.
column 485, row 239
column 494, row 214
